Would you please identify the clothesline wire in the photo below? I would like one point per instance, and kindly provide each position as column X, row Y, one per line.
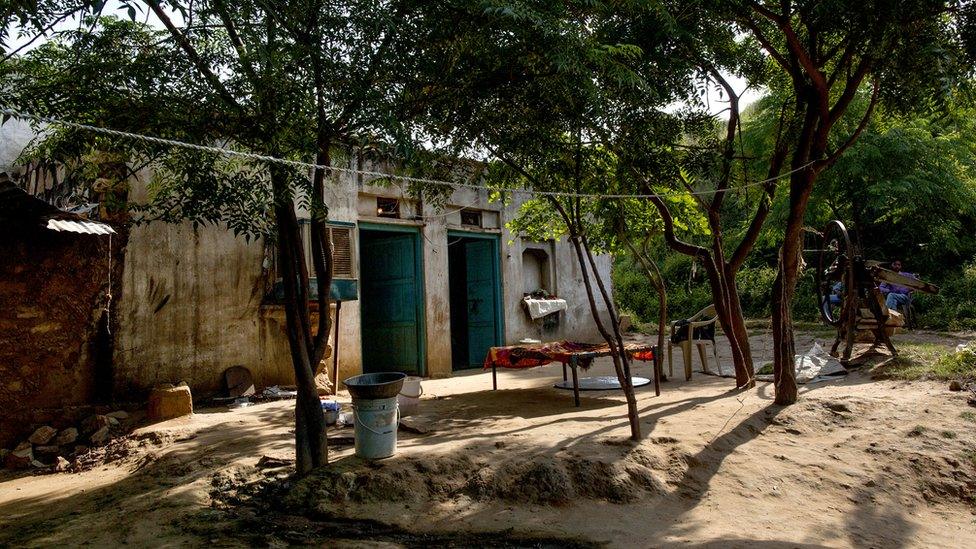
column 378, row 175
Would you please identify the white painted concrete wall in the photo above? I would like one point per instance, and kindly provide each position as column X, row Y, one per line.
column 192, row 299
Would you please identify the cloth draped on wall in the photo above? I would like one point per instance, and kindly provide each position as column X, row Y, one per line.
column 539, row 308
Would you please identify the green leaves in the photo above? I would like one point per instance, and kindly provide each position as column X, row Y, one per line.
column 273, row 80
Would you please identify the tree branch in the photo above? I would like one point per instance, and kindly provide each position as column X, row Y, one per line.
column 829, row 161
column 850, row 90
column 235, row 39
column 767, row 44
column 41, row 32
column 192, row 53
column 748, row 241
column 729, row 153
column 670, row 237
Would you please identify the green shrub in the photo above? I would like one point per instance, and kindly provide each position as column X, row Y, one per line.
column 954, row 307
column 689, row 292
column 958, row 365
column 755, row 290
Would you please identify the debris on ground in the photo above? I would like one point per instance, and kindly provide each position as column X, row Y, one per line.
column 276, row 392
column 48, row 448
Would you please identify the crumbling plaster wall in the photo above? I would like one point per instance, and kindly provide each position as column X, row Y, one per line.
column 192, row 300
column 576, row 322
column 193, row 305
column 191, row 308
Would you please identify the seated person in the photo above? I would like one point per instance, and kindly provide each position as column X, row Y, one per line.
column 833, row 299
column 836, row 291
column 896, row 295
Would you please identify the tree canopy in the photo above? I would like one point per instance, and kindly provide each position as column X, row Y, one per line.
column 596, row 97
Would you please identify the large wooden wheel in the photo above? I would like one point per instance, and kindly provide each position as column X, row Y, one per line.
column 835, row 266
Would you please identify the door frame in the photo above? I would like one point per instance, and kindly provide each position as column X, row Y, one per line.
column 497, row 273
column 421, row 302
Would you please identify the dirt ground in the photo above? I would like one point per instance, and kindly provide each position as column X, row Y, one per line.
column 857, row 462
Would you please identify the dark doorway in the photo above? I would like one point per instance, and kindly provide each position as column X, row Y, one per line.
column 392, row 300
column 475, row 295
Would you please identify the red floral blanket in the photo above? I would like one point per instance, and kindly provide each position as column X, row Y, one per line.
column 538, row 354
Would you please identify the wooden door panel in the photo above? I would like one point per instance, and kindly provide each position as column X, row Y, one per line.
column 391, row 288
column 481, row 292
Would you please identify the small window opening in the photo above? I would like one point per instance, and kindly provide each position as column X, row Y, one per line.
column 535, row 273
column 387, row 207
column 471, row 218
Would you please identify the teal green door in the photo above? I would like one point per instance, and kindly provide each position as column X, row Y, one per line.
column 482, row 295
column 391, row 297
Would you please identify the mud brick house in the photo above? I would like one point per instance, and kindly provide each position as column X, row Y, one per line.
column 429, row 289
column 55, row 341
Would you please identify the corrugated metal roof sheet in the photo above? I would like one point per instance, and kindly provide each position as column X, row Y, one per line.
column 83, row 227
column 21, row 210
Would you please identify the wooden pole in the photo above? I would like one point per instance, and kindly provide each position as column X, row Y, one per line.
column 335, row 351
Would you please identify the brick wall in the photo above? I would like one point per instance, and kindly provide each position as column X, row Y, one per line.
column 50, row 296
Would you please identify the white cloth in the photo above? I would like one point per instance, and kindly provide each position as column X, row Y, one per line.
column 539, row 308
column 815, row 363
column 812, row 366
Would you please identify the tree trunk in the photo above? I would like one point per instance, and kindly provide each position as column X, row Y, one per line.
column 662, row 326
column 311, row 445
column 657, row 280
column 734, row 325
column 728, row 309
column 621, row 368
column 621, row 364
column 784, row 288
column 721, row 281
column 628, row 381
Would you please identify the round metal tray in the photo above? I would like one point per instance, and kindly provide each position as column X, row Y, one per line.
column 601, row 383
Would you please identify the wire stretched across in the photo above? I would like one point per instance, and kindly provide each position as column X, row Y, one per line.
column 379, row 175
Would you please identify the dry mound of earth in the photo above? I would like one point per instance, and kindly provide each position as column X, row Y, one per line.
column 621, row 474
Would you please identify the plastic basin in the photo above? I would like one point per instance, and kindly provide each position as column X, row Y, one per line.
column 375, row 386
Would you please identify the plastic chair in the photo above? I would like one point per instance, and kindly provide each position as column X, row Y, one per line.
column 908, row 311
column 692, row 331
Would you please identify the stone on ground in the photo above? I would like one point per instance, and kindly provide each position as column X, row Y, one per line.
column 169, row 402
column 100, row 436
column 322, row 384
column 94, row 423
column 21, row 457
column 66, row 436
column 49, row 451
column 238, row 381
column 42, row 435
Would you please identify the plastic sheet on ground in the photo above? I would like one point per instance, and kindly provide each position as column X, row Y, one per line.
column 811, row 367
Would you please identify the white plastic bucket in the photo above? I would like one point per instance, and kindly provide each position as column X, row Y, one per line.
column 409, row 397
column 376, row 424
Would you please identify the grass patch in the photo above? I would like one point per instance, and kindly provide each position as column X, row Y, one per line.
column 948, row 434
column 961, row 365
column 917, row 431
column 970, row 456
column 968, row 416
column 928, row 361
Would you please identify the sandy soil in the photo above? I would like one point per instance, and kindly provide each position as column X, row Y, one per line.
column 857, row 462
